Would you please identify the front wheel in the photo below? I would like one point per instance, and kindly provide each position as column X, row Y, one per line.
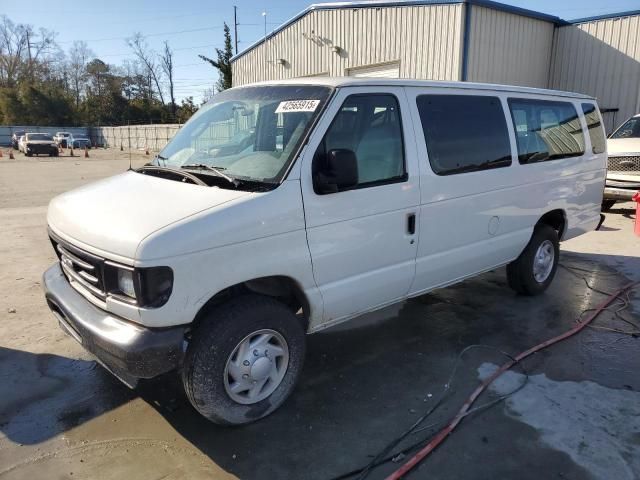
column 243, row 360
column 533, row 271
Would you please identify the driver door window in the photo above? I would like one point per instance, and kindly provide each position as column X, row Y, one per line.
column 368, row 125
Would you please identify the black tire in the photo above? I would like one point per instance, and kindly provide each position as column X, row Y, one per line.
column 28, row 154
column 214, row 341
column 607, row 205
column 520, row 272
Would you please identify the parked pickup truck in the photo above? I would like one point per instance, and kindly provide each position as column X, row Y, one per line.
column 352, row 194
column 623, row 166
column 61, row 138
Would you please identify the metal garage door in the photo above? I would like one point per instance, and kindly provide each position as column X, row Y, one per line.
column 387, row 70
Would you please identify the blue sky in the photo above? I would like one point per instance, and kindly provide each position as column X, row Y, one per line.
column 195, row 26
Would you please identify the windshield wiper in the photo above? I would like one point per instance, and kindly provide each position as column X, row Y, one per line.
column 216, row 170
column 160, row 157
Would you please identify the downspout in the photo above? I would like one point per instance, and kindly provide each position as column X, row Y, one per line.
column 465, row 41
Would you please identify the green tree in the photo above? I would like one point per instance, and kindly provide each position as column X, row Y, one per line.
column 186, row 109
column 223, row 63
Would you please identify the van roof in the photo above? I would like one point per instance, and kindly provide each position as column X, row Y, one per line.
column 338, row 82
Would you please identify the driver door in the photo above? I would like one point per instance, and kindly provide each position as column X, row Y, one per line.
column 363, row 239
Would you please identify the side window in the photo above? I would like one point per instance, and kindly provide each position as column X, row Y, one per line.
column 464, row 133
column 546, row 130
column 596, row 132
column 369, row 126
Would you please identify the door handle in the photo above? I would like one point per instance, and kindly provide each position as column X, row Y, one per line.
column 411, row 223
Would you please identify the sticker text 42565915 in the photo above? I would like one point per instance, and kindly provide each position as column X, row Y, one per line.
column 297, row 106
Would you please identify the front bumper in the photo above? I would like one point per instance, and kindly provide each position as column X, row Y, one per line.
column 41, row 149
column 612, row 193
column 128, row 350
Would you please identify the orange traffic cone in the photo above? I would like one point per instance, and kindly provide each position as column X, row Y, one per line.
column 0, row 153
column 121, row 149
column 146, row 151
column 11, row 157
column 71, row 151
column 86, row 152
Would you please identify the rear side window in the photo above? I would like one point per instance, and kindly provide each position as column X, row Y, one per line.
column 596, row 132
column 464, row 133
column 546, row 130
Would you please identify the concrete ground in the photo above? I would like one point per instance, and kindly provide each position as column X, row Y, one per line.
column 578, row 416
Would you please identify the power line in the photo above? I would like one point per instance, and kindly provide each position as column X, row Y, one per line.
column 215, row 45
column 177, row 32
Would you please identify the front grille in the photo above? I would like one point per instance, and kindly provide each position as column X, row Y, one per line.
column 624, row 164
column 82, row 267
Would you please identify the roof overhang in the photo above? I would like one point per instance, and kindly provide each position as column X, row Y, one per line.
column 607, row 16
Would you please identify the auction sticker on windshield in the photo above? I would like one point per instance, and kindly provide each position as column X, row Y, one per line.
column 298, row 106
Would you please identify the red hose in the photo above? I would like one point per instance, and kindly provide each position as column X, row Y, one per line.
column 442, row 434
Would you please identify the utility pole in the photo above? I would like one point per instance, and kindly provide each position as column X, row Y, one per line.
column 235, row 26
column 29, row 50
column 264, row 14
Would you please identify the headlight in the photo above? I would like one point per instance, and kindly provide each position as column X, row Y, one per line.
column 156, row 284
column 146, row 287
column 125, row 283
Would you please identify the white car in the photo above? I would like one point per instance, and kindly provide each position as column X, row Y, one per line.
column 354, row 194
column 22, row 143
column 623, row 175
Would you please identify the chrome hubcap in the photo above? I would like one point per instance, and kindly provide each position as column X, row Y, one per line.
column 543, row 261
column 256, row 366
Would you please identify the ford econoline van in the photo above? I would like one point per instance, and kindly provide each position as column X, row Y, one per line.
column 283, row 208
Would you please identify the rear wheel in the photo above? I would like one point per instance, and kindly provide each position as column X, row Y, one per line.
column 244, row 360
column 533, row 271
column 607, row 205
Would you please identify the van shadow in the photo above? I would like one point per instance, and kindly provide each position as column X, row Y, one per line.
column 365, row 382
column 42, row 395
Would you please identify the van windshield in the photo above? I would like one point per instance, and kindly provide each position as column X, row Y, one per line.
column 249, row 133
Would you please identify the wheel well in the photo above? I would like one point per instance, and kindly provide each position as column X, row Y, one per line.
column 285, row 289
column 556, row 219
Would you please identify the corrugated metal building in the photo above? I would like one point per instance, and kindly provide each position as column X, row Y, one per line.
column 468, row 40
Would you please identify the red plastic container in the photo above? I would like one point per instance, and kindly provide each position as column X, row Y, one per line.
column 636, row 198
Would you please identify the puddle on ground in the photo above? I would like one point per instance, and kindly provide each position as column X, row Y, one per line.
column 598, row 427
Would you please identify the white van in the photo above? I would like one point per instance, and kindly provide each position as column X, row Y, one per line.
column 283, row 208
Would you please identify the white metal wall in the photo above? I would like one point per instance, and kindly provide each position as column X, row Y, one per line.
column 601, row 58
column 426, row 40
column 508, row 48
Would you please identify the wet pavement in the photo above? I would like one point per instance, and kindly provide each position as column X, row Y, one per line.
column 364, row 382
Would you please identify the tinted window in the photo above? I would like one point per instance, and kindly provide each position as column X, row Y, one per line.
column 464, row 133
column 370, row 126
column 630, row 129
column 546, row 130
column 596, row 132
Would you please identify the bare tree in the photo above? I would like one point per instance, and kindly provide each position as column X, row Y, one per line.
column 167, row 66
column 79, row 57
column 148, row 59
column 207, row 94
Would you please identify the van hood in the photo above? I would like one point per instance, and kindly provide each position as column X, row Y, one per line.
column 623, row 145
column 114, row 215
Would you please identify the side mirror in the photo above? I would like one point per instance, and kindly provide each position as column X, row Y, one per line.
column 340, row 172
